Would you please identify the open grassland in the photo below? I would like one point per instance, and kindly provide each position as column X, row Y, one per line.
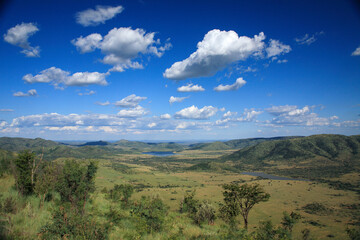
column 286, row 195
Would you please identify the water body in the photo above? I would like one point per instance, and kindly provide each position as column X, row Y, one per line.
column 160, row 154
column 272, row 177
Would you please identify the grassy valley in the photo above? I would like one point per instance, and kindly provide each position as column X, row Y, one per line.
column 327, row 201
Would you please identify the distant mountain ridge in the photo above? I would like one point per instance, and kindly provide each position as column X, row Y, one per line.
column 234, row 144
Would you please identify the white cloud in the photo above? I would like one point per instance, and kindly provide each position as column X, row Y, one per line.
column 19, row 36
column 307, row 39
column 249, row 115
column 121, row 46
column 130, row 101
column 6, row 110
column 238, row 84
column 88, row 93
column 87, row 44
column 191, row 88
column 103, row 103
column 176, row 99
column 356, row 52
column 282, row 61
column 151, row 125
column 276, row 48
column 91, row 17
column 30, row 93
column 165, row 116
column 59, row 77
column 138, row 111
column 196, row 113
column 278, row 110
column 229, row 114
column 59, row 120
column 293, row 116
column 217, row 50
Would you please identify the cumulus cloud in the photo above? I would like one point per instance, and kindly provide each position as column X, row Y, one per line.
column 217, row 50
column 165, row 116
column 91, row 17
column 356, row 52
column 60, row 78
column 176, row 99
column 103, row 103
column 249, row 115
column 190, row 88
column 196, row 113
column 30, row 93
column 238, row 84
column 135, row 112
column 308, row 39
column 229, row 114
column 87, row 44
column 290, row 115
column 130, row 101
column 121, row 46
column 276, row 48
column 19, row 36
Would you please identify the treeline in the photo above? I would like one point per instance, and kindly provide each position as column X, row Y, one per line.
column 67, row 192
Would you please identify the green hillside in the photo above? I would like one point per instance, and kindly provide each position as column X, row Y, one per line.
column 18, row 144
column 233, row 144
column 325, row 155
column 213, row 146
column 143, row 146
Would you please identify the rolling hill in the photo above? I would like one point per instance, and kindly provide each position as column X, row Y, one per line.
column 233, row 144
column 322, row 155
column 19, row 144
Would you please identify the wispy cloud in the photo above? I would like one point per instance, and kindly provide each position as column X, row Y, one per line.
column 103, row 103
column 356, row 52
column 308, row 39
column 235, row 86
column 87, row 93
column 176, row 99
column 30, row 93
column 130, row 101
column 91, row 17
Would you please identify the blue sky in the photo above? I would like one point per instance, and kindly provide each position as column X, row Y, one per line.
column 179, row 70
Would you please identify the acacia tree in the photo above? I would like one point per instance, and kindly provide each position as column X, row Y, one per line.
column 240, row 199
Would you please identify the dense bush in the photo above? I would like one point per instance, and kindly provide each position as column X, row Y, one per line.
column 205, row 213
column 121, row 193
column 149, row 214
column 68, row 224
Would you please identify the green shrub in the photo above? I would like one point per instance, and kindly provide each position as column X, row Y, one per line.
column 150, row 214
column 205, row 213
column 68, row 224
column 189, row 204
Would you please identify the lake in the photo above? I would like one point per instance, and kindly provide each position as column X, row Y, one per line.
column 272, row 177
column 160, row 154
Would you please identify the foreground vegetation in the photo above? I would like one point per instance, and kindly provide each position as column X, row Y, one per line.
column 186, row 196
